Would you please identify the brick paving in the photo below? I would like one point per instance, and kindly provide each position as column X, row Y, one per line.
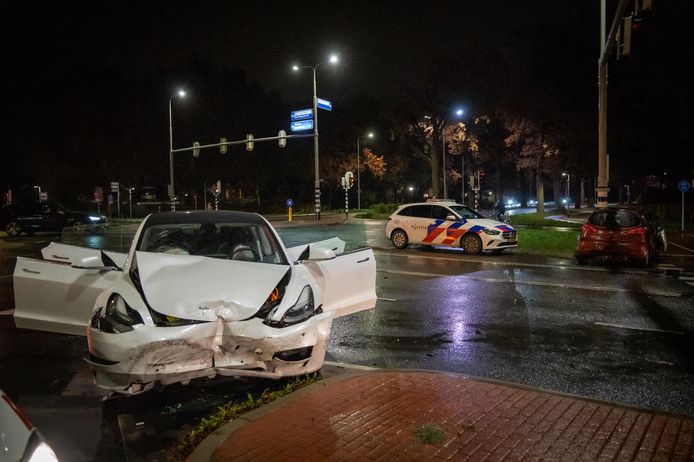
column 419, row 416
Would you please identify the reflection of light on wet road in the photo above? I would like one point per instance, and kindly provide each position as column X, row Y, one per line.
column 591, row 287
column 94, row 241
column 456, row 300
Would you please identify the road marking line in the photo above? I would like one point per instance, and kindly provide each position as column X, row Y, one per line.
column 678, row 255
column 687, row 278
column 6, row 276
column 7, row 312
column 681, row 247
column 622, row 326
column 387, row 299
column 690, row 283
column 536, row 283
column 666, row 265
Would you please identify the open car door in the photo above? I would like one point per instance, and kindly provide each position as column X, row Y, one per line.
column 55, row 296
column 348, row 281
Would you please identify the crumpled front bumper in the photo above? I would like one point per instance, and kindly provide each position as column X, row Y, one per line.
column 133, row 362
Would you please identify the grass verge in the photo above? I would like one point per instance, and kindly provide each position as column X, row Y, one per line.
column 187, row 442
column 548, row 242
column 539, row 219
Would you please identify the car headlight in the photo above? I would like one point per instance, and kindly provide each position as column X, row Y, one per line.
column 93, row 218
column 303, row 309
column 117, row 316
column 493, row 232
column 42, row 453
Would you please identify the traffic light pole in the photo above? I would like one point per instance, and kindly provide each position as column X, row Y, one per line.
column 605, row 48
column 243, row 141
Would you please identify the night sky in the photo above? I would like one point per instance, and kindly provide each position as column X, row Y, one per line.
column 100, row 52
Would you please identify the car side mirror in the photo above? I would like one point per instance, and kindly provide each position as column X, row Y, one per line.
column 451, row 218
column 93, row 262
column 320, row 253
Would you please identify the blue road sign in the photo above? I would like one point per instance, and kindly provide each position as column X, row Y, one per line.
column 303, row 114
column 302, row 125
column 290, row 203
column 325, row 104
column 683, row 186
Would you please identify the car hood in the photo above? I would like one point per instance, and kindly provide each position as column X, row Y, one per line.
column 203, row 288
column 487, row 223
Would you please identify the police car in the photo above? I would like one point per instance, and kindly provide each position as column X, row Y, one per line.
column 445, row 223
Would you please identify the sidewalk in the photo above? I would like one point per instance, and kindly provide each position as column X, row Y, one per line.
column 400, row 415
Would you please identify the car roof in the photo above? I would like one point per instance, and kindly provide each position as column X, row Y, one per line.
column 430, row 203
column 634, row 209
column 205, row 216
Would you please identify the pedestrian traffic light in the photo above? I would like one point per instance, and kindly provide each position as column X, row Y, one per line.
column 223, row 147
column 196, row 150
column 249, row 142
column 282, row 141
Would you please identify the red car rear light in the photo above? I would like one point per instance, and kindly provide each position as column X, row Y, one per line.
column 638, row 231
column 588, row 229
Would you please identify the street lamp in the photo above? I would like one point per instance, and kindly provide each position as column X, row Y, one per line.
column 332, row 60
column 369, row 135
column 172, row 194
column 568, row 189
column 458, row 112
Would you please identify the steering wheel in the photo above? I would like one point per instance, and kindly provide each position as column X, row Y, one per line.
column 244, row 253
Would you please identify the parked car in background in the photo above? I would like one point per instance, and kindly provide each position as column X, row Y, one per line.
column 47, row 216
column 445, row 223
column 19, row 439
column 623, row 234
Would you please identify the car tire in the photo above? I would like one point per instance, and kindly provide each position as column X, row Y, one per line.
column 471, row 244
column 13, row 229
column 582, row 261
column 399, row 239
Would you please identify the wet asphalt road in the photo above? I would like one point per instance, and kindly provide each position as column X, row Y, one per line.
column 615, row 334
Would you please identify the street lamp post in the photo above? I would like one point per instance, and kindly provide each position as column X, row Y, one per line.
column 316, row 172
column 458, row 112
column 568, row 188
column 172, row 193
column 370, row 135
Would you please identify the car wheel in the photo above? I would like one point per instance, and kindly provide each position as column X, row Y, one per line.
column 13, row 229
column 582, row 260
column 399, row 238
column 471, row 244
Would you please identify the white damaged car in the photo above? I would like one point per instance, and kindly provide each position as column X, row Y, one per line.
column 199, row 294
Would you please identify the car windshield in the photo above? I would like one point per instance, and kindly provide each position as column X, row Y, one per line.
column 615, row 219
column 233, row 241
column 465, row 212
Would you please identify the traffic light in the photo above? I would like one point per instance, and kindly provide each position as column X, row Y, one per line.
column 223, row 147
column 634, row 27
column 196, row 150
column 624, row 36
column 249, row 142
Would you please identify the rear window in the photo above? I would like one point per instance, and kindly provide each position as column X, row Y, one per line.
column 615, row 219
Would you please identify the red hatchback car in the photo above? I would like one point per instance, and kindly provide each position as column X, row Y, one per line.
column 621, row 233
